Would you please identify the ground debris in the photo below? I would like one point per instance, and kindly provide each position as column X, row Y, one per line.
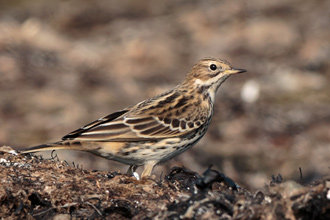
column 36, row 188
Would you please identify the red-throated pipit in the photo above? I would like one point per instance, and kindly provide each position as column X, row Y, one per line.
column 157, row 129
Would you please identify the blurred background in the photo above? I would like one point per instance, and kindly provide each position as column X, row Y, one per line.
column 66, row 63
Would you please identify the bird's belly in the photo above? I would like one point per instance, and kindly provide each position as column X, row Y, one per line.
column 140, row 152
column 162, row 150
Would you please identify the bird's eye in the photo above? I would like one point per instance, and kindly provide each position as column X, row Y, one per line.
column 213, row 67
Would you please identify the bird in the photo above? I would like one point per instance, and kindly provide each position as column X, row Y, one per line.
column 156, row 129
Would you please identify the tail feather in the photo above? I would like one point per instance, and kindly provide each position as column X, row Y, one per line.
column 61, row 145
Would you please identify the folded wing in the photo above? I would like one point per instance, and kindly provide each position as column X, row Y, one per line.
column 126, row 128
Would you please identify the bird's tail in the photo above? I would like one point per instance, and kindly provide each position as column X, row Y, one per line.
column 61, row 145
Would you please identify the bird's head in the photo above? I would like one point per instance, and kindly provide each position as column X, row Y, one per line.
column 209, row 73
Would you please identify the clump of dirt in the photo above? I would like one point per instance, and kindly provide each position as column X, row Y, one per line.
column 33, row 187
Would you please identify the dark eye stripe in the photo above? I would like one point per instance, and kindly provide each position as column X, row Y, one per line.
column 214, row 74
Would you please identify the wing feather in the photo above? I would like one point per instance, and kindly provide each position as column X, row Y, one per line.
column 76, row 133
column 152, row 119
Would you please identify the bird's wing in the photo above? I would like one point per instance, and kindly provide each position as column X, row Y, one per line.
column 76, row 133
column 148, row 120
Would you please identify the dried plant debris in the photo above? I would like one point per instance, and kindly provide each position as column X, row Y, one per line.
column 36, row 188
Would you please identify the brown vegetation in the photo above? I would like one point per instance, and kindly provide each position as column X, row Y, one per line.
column 44, row 189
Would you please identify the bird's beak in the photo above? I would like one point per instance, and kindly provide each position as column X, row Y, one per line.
column 234, row 71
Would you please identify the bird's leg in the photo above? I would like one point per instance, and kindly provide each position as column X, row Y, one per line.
column 148, row 168
column 132, row 169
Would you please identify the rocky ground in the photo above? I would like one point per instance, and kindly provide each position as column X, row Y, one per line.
column 64, row 64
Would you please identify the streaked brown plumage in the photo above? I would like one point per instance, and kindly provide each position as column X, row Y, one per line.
column 157, row 129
